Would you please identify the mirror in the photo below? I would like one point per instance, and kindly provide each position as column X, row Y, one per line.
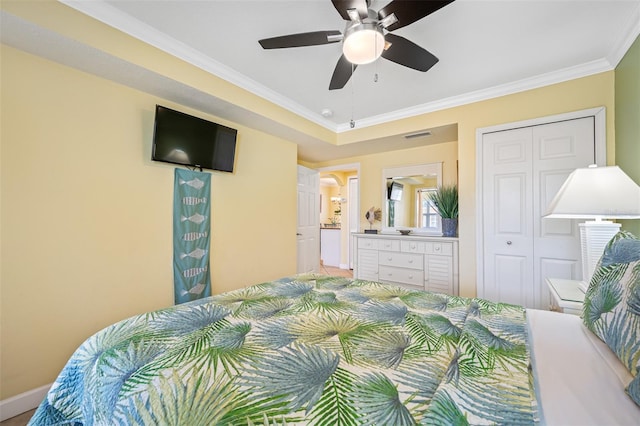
column 405, row 199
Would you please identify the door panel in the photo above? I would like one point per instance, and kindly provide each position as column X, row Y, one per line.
column 308, row 233
column 559, row 148
column 550, row 183
column 507, row 194
column 512, row 278
column 551, row 268
column 510, row 204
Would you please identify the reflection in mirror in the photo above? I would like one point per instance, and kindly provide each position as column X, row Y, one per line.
column 406, row 200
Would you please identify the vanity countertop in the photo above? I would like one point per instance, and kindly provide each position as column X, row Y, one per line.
column 398, row 235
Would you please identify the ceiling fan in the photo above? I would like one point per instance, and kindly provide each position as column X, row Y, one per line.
column 367, row 36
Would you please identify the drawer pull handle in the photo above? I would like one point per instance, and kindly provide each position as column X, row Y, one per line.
column 390, row 259
column 509, row 243
column 436, row 248
column 410, row 277
column 410, row 260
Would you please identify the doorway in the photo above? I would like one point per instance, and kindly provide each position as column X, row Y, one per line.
column 340, row 211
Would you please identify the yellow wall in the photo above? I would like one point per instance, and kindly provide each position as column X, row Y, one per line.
column 66, row 21
column 86, row 216
column 588, row 92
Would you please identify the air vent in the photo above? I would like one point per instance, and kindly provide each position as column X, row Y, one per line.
column 418, row 135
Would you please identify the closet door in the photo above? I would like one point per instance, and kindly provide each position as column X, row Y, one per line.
column 508, row 216
column 559, row 148
column 522, row 171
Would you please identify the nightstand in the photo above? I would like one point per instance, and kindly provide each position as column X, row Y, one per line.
column 566, row 295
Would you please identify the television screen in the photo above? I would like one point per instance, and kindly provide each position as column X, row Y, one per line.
column 395, row 191
column 180, row 138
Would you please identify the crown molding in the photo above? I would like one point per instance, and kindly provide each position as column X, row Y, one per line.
column 628, row 34
column 566, row 74
column 111, row 16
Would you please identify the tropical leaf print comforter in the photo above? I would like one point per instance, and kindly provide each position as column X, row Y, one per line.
column 310, row 350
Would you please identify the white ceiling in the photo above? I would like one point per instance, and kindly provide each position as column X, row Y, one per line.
column 486, row 49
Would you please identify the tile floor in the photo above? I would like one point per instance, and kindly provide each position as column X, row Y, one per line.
column 330, row 270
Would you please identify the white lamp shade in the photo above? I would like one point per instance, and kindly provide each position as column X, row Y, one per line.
column 596, row 193
column 363, row 43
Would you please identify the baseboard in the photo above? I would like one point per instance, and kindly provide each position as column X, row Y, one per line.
column 344, row 266
column 23, row 402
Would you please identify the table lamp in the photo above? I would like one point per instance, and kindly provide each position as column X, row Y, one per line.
column 596, row 193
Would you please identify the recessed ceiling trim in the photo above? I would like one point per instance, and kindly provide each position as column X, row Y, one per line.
column 123, row 22
column 630, row 35
column 578, row 71
column 112, row 17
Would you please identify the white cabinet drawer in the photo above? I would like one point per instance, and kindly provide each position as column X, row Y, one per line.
column 389, row 245
column 445, row 249
column 402, row 260
column 392, row 274
column 367, row 243
column 412, row 246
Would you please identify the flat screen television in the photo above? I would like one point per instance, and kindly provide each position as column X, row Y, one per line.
column 180, row 138
column 395, row 191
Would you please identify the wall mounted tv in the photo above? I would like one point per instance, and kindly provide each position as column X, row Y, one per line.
column 180, row 138
column 394, row 191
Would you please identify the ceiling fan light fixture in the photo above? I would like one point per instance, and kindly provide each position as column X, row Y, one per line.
column 363, row 43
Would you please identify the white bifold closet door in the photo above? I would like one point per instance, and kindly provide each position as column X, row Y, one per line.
column 522, row 169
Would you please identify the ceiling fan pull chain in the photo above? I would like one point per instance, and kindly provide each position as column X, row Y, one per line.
column 352, row 123
column 375, row 75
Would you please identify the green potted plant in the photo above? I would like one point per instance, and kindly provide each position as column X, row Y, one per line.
column 445, row 201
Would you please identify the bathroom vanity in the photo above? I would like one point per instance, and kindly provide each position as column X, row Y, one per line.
column 330, row 239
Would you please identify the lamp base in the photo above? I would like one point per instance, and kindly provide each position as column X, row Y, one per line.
column 594, row 236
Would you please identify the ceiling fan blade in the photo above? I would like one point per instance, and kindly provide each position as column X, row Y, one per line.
column 302, row 39
column 410, row 11
column 408, row 54
column 342, row 73
column 343, row 5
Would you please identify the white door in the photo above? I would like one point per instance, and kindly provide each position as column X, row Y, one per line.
column 308, row 233
column 354, row 215
column 560, row 148
column 522, row 171
column 507, row 209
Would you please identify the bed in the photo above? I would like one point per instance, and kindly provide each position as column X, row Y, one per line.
column 313, row 349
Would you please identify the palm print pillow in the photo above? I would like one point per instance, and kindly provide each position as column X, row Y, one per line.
column 612, row 302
